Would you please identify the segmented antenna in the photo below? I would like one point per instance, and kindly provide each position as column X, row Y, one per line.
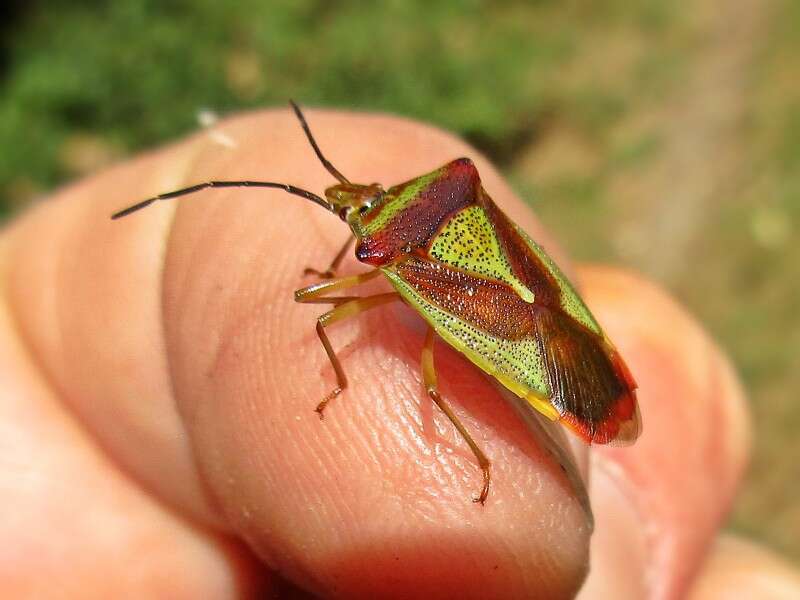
column 325, row 162
column 224, row 184
column 261, row 184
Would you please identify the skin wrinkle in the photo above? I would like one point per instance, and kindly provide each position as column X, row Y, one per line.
column 386, row 453
column 400, row 420
column 192, row 152
column 179, row 329
column 449, row 460
column 343, row 351
column 498, row 460
column 50, row 381
column 323, row 457
column 249, row 315
column 133, row 493
column 165, row 244
column 196, row 522
column 336, row 417
column 678, row 529
column 515, row 531
column 400, row 434
column 704, row 451
column 651, row 528
column 192, row 156
column 723, row 383
column 260, row 460
column 326, row 496
column 430, row 428
column 469, row 465
column 357, row 411
column 707, row 451
column 658, row 540
column 166, row 229
column 18, row 325
column 465, row 466
column 7, row 307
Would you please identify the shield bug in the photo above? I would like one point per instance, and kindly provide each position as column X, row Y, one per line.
column 480, row 283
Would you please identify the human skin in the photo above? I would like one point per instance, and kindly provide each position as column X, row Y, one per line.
column 156, row 413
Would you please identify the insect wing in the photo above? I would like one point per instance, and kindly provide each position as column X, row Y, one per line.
column 590, row 384
column 498, row 299
column 463, row 308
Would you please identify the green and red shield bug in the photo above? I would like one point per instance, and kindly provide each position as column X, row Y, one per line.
column 481, row 284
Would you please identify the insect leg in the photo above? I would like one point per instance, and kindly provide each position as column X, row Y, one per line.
column 429, row 378
column 344, row 310
column 330, row 272
column 312, row 293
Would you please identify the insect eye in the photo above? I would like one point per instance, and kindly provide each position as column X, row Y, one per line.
column 363, row 210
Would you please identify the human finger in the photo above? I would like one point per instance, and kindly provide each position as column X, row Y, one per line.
column 360, row 505
column 658, row 504
column 738, row 568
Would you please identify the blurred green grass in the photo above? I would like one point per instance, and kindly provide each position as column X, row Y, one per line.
column 657, row 135
column 110, row 78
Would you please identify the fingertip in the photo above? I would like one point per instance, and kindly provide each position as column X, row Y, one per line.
column 737, row 568
column 366, row 503
column 173, row 336
column 674, row 486
column 688, row 389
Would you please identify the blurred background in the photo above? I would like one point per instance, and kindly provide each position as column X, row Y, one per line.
column 663, row 136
